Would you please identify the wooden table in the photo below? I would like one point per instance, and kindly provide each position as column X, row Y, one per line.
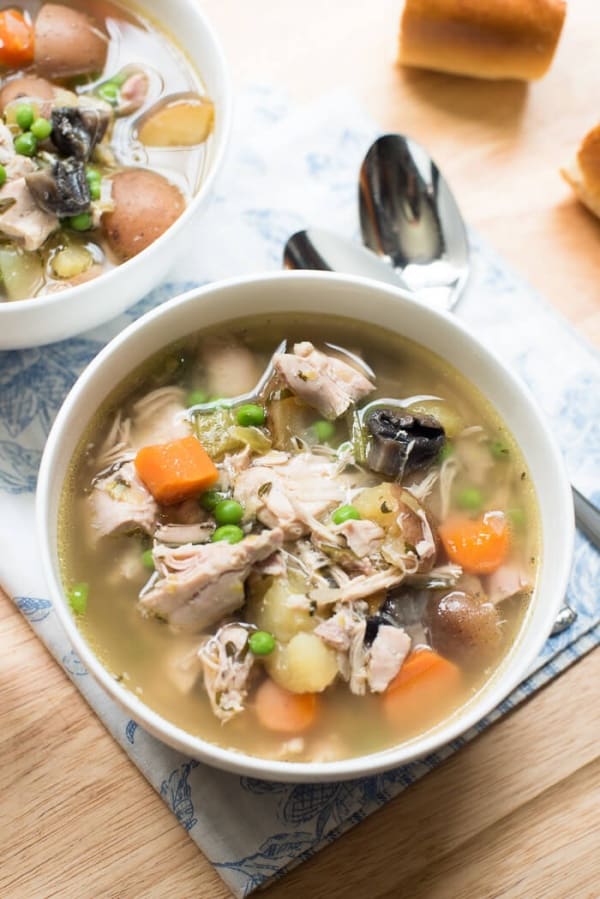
column 516, row 813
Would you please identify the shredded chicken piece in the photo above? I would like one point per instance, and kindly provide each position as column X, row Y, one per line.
column 358, row 587
column 386, row 657
column 363, row 536
column 157, row 417
column 324, row 382
column 226, row 664
column 362, row 665
column 198, row 585
column 21, row 218
column 120, row 504
column 505, row 582
column 180, row 534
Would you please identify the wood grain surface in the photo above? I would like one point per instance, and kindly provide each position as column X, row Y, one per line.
column 514, row 814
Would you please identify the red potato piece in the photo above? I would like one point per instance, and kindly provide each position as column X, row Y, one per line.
column 25, row 86
column 146, row 204
column 67, row 42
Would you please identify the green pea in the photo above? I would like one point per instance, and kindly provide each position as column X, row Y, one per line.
column 516, row 517
column 25, row 116
column 231, row 533
column 94, row 179
column 345, row 513
column 78, row 597
column 41, row 128
column 261, row 643
column 196, row 398
column 211, row 499
column 26, row 144
column 228, row 511
column 498, row 449
column 250, row 415
column 323, row 430
column 2, row 175
column 446, row 451
column 81, row 222
column 148, row 559
column 109, row 91
column 470, row 499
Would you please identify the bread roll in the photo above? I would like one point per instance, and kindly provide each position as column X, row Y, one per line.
column 584, row 173
column 481, row 38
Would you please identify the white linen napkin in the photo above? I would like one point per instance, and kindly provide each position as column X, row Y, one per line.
column 290, row 168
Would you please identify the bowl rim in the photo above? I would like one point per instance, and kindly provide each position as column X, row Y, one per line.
column 488, row 697
column 221, row 144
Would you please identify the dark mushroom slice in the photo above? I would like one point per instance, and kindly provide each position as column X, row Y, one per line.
column 76, row 130
column 463, row 628
column 63, row 189
column 402, row 443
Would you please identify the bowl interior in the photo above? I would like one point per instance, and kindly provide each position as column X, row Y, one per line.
column 366, row 301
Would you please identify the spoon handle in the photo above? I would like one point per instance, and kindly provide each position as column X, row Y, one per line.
column 587, row 516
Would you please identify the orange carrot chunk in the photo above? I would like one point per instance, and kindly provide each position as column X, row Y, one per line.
column 479, row 546
column 284, row 712
column 176, row 471
column 425, row 680
column 16, row 39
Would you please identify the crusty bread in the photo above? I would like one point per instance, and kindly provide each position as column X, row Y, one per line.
column 481, row 38
column 584, row 172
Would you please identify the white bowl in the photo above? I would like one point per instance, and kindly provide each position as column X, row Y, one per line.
column 41, row 320
column 314, row 293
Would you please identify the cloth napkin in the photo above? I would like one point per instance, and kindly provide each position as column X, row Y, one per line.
column 289, row 168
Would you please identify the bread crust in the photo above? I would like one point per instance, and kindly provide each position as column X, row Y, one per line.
column 584, row 172
column 481, row 38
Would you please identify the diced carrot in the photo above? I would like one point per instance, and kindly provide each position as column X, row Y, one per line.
column 176, row 471
column 16, row 39
column 425, row 680
column 479, row 546
column 282, row 711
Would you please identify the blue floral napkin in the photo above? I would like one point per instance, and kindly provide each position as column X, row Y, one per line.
column 290, row 168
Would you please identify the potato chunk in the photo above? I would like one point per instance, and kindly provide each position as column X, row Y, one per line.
column 272, row 612
column 304, row 665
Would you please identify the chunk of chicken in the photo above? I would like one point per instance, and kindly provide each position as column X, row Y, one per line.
column 120, row 504
column 201, row 584
column 324, row 382
column 360, row 587
column 388, row 652
column 226, row 664
column 231, row 370
column 362, row 536
column 291, row 493
column 157, row 417
column 505, row 582
column 22, row 219
column 362, row 665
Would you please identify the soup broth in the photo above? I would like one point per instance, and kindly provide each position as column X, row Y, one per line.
column 450, row 608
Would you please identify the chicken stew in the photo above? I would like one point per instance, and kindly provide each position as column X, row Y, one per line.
column 331, row 562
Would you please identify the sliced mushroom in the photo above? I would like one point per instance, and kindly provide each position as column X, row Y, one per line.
column 63, row 189
column 76, row 130
column 400, row 444
column 179, row 120
column 463, row 628
column 68, row 42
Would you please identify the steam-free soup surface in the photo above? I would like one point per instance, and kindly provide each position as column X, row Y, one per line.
column 351, row 563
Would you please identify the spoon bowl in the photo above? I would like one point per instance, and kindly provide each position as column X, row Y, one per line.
column 409, row 218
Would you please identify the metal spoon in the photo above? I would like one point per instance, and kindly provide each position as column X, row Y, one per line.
column 409, row 217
